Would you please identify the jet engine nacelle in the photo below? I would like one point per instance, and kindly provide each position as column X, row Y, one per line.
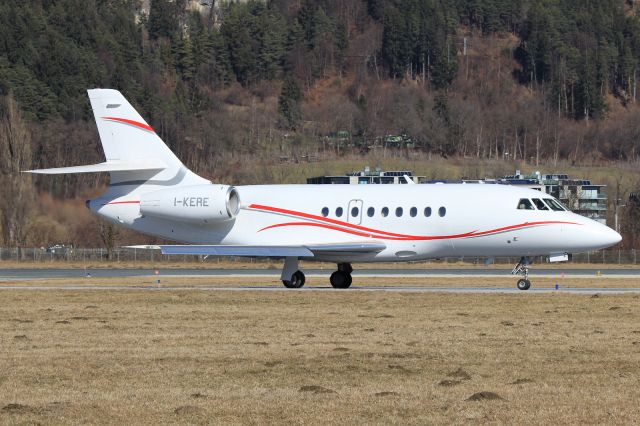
column 198, row 203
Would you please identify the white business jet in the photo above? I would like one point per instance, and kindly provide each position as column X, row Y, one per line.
column 152, row 192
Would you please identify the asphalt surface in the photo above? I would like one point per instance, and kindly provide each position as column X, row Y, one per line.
column 8, row 275
column 30, row 274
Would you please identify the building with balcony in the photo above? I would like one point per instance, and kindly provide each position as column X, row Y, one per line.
column 367, row 176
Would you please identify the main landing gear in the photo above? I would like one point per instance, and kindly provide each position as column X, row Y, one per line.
column 522, row 268
column 296, row 280
column 342, row 277
column 292, row 277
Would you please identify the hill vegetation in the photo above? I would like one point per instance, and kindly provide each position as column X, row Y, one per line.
column 521, row 83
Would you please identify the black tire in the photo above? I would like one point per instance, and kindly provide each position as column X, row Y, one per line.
column 297, row 280
column 340, row 279
column 523, row 284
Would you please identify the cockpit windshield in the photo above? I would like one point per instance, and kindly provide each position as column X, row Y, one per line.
column 554, row 204
column 546, row 204
column 525, row 204
column 539, row 204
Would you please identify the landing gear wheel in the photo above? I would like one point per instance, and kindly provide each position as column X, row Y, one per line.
column 523, row 284
column 522, row 268
column 340, row 279
column 296, row 281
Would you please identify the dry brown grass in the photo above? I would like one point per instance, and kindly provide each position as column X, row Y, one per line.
column 190, row 356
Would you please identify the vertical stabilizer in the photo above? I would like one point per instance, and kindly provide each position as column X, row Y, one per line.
column 126, row 137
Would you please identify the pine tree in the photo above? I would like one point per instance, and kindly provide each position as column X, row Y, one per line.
column 289, row 104
column 163, row 18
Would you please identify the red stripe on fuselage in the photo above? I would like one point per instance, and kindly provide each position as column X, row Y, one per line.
column 362, row 231
column 137, row 124
column 370, row 235
column 321, row 219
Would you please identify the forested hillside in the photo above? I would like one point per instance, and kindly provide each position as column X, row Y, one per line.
column 525, row 82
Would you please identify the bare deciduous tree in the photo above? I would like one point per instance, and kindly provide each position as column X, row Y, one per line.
column 108, row 235
column 15, row 188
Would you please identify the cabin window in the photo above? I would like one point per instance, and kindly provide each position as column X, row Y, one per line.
column 554, row 204
column 339, row 212
column 442, row 211
column 413, row 212
column 354, row 212
column 371, row 211
column 325, row 211
column 525, row 204
column 399, row 212
column 539, row 204
column 384, row 212
column 427, row 212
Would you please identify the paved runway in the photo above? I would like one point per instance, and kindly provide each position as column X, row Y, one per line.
column 30, row 274
column 7, row 275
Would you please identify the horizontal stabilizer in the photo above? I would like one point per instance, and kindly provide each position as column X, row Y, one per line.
column 109, row 166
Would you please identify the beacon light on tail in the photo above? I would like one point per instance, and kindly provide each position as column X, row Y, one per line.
column 151, row 191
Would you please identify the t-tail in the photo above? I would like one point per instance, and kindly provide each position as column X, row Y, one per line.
column 135, row 155
column 142, row 169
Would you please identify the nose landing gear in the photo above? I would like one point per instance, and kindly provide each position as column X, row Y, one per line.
column 522, row 268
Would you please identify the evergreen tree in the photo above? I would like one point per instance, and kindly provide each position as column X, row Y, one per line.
column 289, row 105
column 163, row 18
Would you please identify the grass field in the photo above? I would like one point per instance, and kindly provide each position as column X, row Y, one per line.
column 341, row 357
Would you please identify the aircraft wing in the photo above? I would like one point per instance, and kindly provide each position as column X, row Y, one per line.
column 273, row 251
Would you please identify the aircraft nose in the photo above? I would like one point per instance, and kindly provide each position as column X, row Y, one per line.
column 606, row 237
column 614, row 237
